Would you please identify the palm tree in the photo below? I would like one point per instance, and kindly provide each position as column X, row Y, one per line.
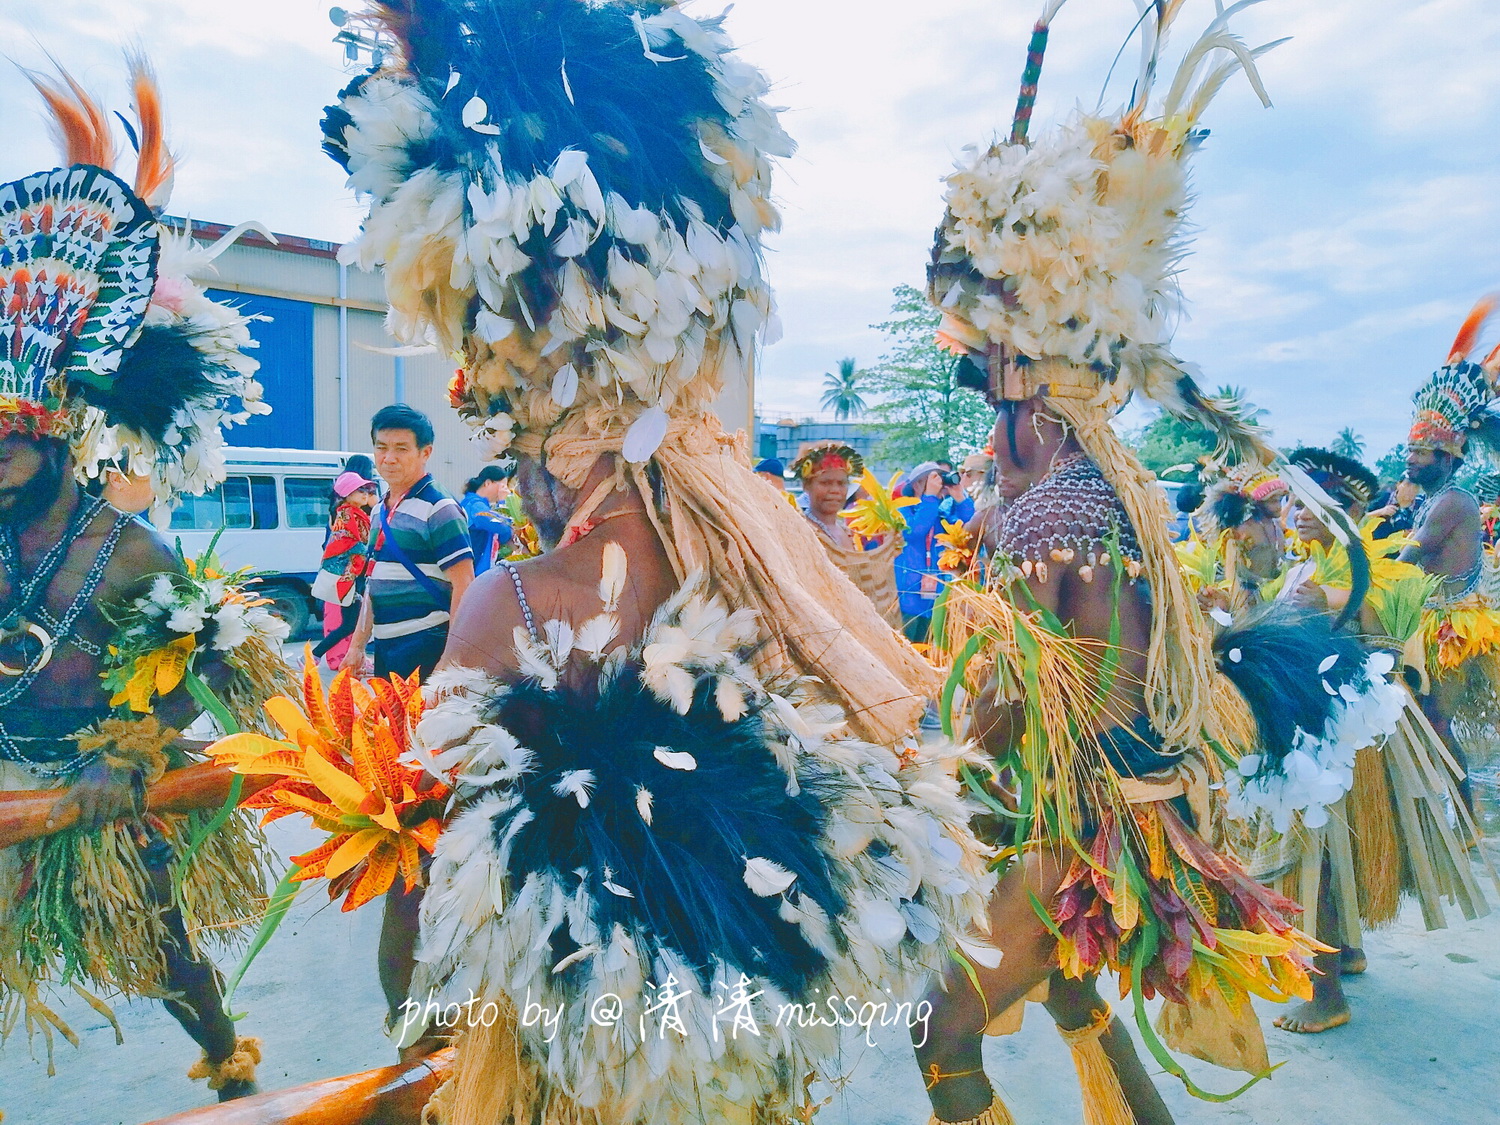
column 841, row 391
column 1349, row 444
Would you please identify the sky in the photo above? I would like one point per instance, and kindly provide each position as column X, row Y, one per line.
column 1342, row 234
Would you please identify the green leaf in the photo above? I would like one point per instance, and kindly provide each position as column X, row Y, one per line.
column 279, row 903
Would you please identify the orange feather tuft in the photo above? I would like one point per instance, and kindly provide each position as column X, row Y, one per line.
column 1468, row 335
column 81, row 129
column 155, row 164
column 1491, row 363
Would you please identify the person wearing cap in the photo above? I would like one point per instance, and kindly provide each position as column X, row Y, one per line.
column 346, row 557
column 940, row 499
column 489, row 528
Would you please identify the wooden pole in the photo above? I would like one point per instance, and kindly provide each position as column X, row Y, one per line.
column 24, row 813
column 391, row 1095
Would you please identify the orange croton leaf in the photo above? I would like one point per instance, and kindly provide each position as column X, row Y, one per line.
column 313, row 703
column 426, row 833
column 341, row 702
column 376, row 879
column 313, row 863
column 410, row 857
column 341, row 767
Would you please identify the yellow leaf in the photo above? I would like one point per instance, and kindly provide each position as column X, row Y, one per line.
column 172, row 663
column 352, row 850
column 337, row 785
column 142, row 681
column 1127, row 908
column 1257, row 945
column 387, row 817
column 288, row 716
column 246, row 747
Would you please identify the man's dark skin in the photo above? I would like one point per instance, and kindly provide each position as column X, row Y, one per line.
column 1449, row 542
column 38, row 498
column 563, row 584
column 1030, row 951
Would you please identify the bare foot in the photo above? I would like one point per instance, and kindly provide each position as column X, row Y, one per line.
column 1352, row 961
column 1318, row 1014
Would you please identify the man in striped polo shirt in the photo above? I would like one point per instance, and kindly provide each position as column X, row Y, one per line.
column 422, row 559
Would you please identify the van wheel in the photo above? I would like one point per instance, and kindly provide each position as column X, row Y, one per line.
column 290, row 604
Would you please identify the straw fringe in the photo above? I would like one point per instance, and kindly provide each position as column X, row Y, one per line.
column 765, row 556
column 1377, row 848
column 1103, row 1098
column 238, row 1067
column 1182, row 695
column 997, row 1114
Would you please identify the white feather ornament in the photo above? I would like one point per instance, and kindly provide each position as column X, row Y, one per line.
column 614, row 888
column 596, row 634
column 475, row 110
column 565, row 385
column 675, row 759
column 612, row 577
column 881, row 922
column 578, row 784
column 766, row 877
column 645, row 436
column 643, row 802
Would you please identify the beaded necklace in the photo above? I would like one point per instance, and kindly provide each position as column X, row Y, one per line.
column 30, row 592
column 1067, row 516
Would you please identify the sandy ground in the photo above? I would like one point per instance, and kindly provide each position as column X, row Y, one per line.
column 1421, row 1047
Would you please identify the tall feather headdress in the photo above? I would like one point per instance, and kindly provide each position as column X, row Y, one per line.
column 570, row 197
column 1455, row 407
column 107, row 339
column 1058, row 256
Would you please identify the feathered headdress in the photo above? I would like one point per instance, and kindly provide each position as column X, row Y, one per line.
column 1233, row 497
column 1454, row 407
column 1055, row 271
column 570, row 196
column 1343, row 478
column 106, row 338
column 1057, row 258
column 829, row 455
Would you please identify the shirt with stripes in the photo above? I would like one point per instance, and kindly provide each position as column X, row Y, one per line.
column 431, row 530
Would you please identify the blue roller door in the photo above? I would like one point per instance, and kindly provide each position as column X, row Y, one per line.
column 286, row 370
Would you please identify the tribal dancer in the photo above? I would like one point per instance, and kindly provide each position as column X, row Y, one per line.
column 1244, row 538
column 1455, row 417
column 830, row 472
column 111, row 355
column 681, row 743
column 1097, row 693
column 1351, row 862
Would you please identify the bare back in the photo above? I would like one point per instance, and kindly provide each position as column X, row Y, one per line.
column 564, row 585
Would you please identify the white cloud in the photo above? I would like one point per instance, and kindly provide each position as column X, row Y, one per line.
column 1345, row 231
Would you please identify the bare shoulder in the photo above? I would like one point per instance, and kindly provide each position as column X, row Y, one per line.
column 140, row 553
column 482, row 632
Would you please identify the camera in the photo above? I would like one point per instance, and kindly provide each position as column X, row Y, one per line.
column 950, row 479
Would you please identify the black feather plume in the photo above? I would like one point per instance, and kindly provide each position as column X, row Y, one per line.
column 1273, row 657
column 554, row 75
column 160, row 373
column 686, row 868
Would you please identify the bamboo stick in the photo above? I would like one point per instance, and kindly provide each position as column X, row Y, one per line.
column 24, row 813
column 391, row 1095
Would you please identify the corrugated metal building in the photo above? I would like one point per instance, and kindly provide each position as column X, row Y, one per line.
column 322, row 373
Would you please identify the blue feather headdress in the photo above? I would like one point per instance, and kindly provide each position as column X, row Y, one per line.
column 569, row 198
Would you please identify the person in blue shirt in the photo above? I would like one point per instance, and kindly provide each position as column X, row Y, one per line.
column 489, row 528
column 940, row 499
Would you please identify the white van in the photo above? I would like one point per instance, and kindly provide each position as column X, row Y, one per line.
column 273, row 509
